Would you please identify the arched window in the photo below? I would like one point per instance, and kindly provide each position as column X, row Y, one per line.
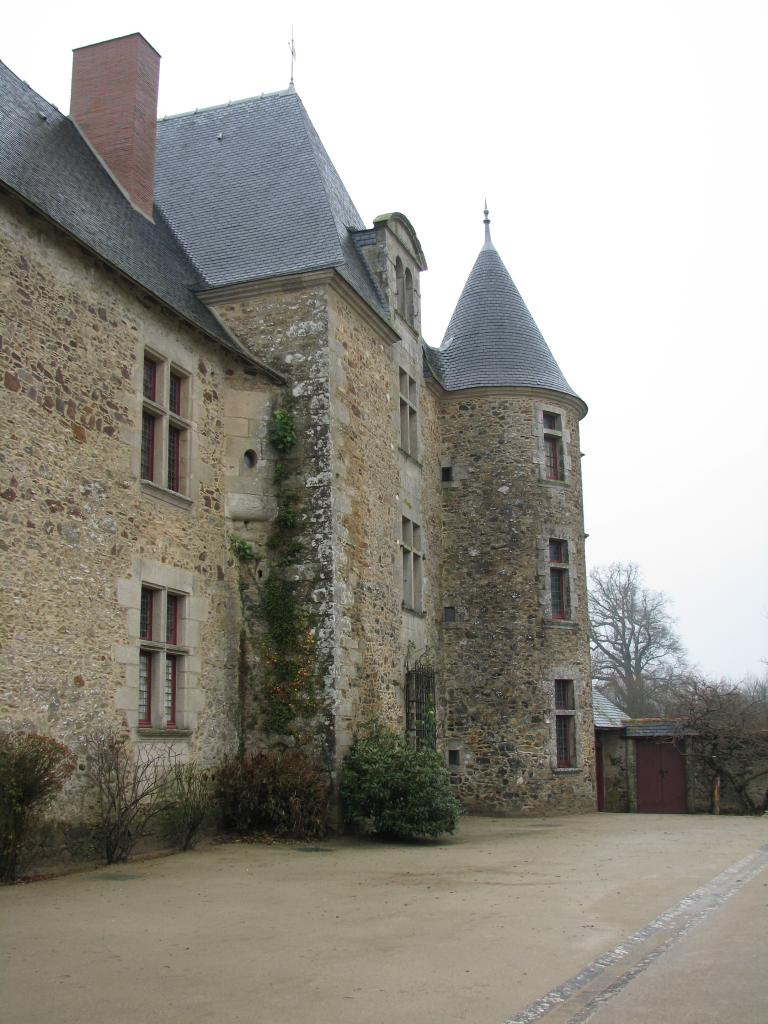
column 409, row 308
column 400, row 286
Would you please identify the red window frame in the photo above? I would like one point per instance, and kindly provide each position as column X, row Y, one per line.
column 147, row 446
column 172, row 619
column 553, row 458
column 564, row 700
column 169, row 692
column 558, row 579
column 174, row 393
column 564, row 740
column 146, row 613
column 150, row 379
column 558, row 551
column 145, row 689
column 174, row 458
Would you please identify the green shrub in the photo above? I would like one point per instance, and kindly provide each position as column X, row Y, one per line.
column 278, row 791
column 33, row 769
column 281, row 431
column 395, row 789
column 189, row 801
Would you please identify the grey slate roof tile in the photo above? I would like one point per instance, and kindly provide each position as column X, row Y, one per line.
column 252, row 194
column 492, row 339
column 606, row 714
column 45, row 160
column 655, row 727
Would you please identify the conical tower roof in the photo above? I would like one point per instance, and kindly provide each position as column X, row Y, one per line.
column 492, row 339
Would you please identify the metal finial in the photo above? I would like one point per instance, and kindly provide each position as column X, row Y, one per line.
column 293, row 56
column 487, row 222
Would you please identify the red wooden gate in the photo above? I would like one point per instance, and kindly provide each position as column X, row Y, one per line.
column 599, row 773
column 660, row 778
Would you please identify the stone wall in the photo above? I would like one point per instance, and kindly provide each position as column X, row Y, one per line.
column 751, row 763
column 432, row 519
column 503, row 653
column 285, row 324
column 365, row 477
column 80, row 532
column 616, row 780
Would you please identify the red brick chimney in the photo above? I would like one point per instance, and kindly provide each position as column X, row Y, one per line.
column 114, row 103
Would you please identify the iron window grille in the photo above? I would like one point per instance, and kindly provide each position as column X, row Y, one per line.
column 421, row 706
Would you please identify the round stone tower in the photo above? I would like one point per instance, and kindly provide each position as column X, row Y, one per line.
column 515, row 674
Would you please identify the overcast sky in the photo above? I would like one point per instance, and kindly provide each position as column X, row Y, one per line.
column 622, row 147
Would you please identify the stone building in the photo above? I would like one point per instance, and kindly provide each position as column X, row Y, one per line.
column 168, row 291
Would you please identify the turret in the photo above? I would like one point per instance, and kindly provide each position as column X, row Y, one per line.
column 515, row 670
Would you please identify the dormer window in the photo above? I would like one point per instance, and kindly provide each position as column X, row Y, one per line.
column 405, row 302
column 409, row 306
column 400, row 286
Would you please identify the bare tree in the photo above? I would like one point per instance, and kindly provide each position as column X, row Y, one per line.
column 635, row 647
column 726, row 725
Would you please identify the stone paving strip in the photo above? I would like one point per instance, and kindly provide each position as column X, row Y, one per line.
column 578, row 999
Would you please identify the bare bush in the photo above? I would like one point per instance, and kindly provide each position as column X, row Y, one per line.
column 190, row 798
column 279, row 791
column 131, row 791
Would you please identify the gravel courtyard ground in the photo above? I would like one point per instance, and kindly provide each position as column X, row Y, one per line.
column 491, row 926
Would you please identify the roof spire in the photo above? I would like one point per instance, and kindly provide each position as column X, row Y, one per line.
column 487, row 222
column 292, row 48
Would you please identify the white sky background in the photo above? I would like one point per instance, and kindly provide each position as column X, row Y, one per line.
column 623, row 149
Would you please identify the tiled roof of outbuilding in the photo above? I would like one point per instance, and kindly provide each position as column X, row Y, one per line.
column 605, row 714
column 655, row 727
column 492, row 339
column 45, row 160
column 252, row 194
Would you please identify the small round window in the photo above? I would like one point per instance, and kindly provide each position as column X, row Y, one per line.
column 249, row 459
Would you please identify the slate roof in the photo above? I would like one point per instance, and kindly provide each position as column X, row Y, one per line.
column 605, row 714
column 45, row 160
column 655, row 727
column 252, row 194
column 492, row 340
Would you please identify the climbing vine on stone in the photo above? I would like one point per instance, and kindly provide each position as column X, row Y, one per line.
column 276, row 610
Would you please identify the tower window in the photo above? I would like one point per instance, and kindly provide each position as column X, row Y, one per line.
column 446, row 474
column 554, row 463
column 565, row 724
column 559, row 581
